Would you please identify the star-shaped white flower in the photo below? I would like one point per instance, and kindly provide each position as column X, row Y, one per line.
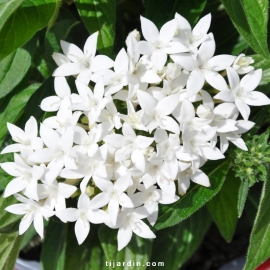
column 32, row 211
column 130, row 221
column 204, row 67
column 26, row 141
column 83, row 216
column 159, row 43
column 82, row 63
column 242, row 92
column 192, row 39
column 26, row 177
column 156, row 113
column 112, row 194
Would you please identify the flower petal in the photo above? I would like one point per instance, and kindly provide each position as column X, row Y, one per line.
column 82, row 228
column 123, row 237
column 167, row 31
column 38, row 224
column 257, row 99
column 243, row 108
column 149, row 30
column 90, row 45
column 251, row 80
column 101, row 62
column 215, row 80
column 202, row 25
column 143, row 230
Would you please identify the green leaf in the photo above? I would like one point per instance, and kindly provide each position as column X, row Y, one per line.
column 99, row 15
column 223, row 207
column 180, row 242
column 58, row 32
column 240, row 46
column 54, row 247
column 88, row 255
column 30, row 17
column 252, row 203
column 9, row 250
column 138, row 251
column 8, row 222
column 259, row 119
column 242, row 197
column 259, row 247
column 31, row 108
column 160, row 11
column 250, row 18
column 14, row 67
column 186, row 206
column 14, row 108
column 7, row 7
column 261, row 62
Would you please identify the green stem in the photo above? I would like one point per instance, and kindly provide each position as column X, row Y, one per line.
column 55, row 14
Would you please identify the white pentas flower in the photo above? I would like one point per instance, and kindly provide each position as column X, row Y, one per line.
column 156, row 114
column 242, row 64
column 235, row 136
column 55, row 194
column 112, row 195
column 152, row 196
column 26, row 141
column 204, row 67
column 64, row 120
column 32, row 211
column 184, row 177
column 159, row 43
column 192, row 39
column 130, row 221
column 91, row 102
column 129, row 145
column 133, row 118
column 57, row 149
column 83, row 216
column 242, row 92
column 26, row 177
column 82, row 63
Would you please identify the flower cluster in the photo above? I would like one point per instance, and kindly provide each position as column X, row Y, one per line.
column 121, row 166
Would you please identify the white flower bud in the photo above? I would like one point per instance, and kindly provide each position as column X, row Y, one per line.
column 241, row 64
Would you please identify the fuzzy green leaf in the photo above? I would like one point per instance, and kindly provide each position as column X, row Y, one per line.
column 30, row 17
column 180, row 242
column 223, row 207
column 264, row 64
column 160, row 11
column 195, row 197
column 138, row 250
column 259, row 247
column 250, row 18
column 54, row 247
column 99, row 15
column 9, row 250
column 242, row 197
